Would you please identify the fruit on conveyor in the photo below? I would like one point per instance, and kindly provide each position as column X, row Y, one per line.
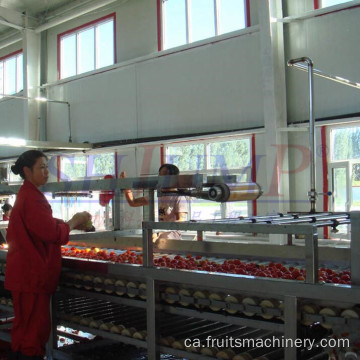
column 186, row 293
column 167, row 341
column 217, row 297
column 106, row 326
column 253, row 301
column 170, row 290
column 226, row 354
column 98, row 283
column 270, row 304
column 328, row 311
column 117, row 329
column 243, row 356
column 128, row 331
column 142, row 289
column 233, row 299
column 198, row 295
column 231, row 266
column 309, row 309
column 109, row 282
column 209, row 351
column 353, row 313
column 88, row 280
column 131, row 285
column 121, row 284
column 140, row 335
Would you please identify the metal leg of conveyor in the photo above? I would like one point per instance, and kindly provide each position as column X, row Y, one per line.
column 355, row 248
column 116, row 210
column 311, row 256
column 52, row 343
column 152, row 328
column 290, row 327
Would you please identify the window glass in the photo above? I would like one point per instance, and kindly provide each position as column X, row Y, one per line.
column 1, row 78
column 325, row 3
column 205, row 210
column 174, row 23
column 187, row 157
column 86, row 51
column 101, row 164
column 345, row 143
column 230, row 154
column 10, row 76
column 197, row 19
column 202, row 19
column 105, row 44
column 68, row 56
column 88, row 48
column 231, row 15
column 19, row 73
column 73, row 167
column 355, row 187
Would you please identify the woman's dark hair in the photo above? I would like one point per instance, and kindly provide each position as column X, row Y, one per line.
column 6, row 207
column 28, row 158
column 170, row 169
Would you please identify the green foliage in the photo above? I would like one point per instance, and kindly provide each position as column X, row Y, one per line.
column 346, row 143
column 103, row 164
column 188, row 157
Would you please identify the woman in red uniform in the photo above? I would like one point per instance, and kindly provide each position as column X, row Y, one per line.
column 33, row 261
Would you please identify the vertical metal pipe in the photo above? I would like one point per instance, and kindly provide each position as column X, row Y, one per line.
column 355, row 248
column 311, row 256
column 290, row 327
column 312, row 139
column 69, row 122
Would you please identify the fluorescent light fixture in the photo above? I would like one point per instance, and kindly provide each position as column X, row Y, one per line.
column 10, row 141
column 52, row 145
column 44, row 144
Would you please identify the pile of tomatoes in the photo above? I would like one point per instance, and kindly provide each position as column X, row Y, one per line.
column 190, row 262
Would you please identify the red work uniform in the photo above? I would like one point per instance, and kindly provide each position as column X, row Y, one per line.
column 33, row 266
column 5, row 218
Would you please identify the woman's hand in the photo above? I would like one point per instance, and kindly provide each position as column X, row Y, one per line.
column 79, row 220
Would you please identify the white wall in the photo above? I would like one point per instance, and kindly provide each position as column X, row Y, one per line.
column 210, row 88
column 331, row 41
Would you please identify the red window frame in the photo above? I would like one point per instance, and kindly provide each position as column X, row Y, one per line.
column 159, row 20
column 13, row 54
column 77, row 29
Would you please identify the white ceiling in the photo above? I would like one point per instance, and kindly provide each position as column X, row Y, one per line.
column 17, row 14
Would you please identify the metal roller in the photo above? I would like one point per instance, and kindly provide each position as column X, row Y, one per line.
column 234, row 192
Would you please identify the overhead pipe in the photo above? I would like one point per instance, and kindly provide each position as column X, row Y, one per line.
column 312, row 140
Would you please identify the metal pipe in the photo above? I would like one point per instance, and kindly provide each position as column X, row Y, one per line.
column 312, row 139
column 335, row 78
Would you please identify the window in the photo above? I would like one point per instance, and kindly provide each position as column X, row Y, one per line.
column 86, row 48
column 326, row 3
column 11, row 73
column 91, row 166
column 214, row 158
column 186, row 21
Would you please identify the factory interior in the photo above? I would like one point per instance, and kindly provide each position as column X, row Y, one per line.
column 256, row 103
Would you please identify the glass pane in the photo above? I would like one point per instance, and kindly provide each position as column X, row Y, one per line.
column 355, row 187
column 68, row 56
column 205, row 210
column 73, row 167
column 1, row 78
column 10, row 76
column 230, row 154
column 231, row 15
column 235, row 209
column 105, row 44
column 325, row 3
column 345, row 143
column 86, row 51
column 102, row 164
column 188, row 157
column 174, row 23
column 202, row 19
column 340, row 196
column 19, row 73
